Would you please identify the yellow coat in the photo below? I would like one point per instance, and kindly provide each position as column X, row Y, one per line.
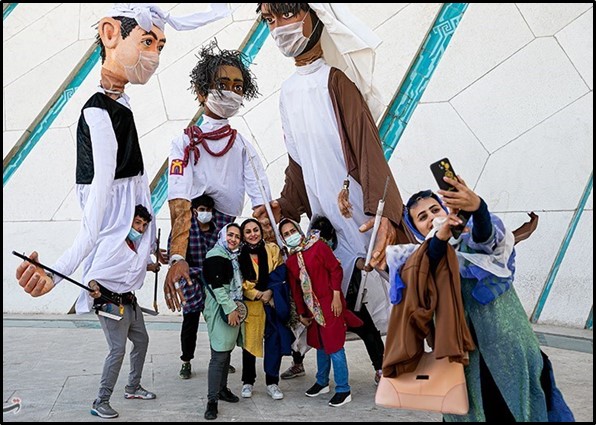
column 255, row 321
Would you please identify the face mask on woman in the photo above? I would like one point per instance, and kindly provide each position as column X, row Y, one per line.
column 290, row 38
column 224, row 104
column 294, row 240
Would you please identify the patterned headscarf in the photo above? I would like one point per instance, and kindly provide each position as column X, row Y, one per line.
column 310, row 299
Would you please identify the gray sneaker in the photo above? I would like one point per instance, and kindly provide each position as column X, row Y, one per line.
column 138, row 393
column 103, row 410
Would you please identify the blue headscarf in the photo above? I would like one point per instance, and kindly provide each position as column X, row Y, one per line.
column 491, row 263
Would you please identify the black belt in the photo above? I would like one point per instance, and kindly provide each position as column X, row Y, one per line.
column 124, row 299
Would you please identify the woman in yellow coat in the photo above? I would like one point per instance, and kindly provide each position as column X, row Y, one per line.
column 257, row 260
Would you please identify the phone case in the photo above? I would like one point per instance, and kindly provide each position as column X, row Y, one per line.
column 443, row 168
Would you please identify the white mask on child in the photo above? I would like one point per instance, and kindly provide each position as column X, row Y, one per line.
column 224, row 104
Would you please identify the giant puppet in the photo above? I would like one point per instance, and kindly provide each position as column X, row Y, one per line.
column 110, row 182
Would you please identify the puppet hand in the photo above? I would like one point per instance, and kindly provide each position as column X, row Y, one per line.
column 260, row 213
column 33, row 279
column 386, row 235
column 172, row 288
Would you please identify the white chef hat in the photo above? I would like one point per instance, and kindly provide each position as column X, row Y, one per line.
column 149, row 14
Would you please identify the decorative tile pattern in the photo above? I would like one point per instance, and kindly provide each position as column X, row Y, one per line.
column 48, row 118
column 417, row 79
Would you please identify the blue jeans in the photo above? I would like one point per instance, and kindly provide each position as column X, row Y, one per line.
column 340, row 369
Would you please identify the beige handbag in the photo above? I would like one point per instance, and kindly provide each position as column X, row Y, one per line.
column 435, row 385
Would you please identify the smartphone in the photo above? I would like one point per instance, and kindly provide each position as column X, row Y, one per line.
column 443, row 168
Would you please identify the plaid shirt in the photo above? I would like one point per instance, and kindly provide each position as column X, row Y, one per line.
column 199, row 243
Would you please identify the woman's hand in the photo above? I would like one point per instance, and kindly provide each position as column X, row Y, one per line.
column 336, row 306
column 444, row 233
column 266, row 296
column 463, row 199
column 306, row 321
column 234, row 318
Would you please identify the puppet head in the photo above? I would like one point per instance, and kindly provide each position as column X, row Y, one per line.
column 131, row 37
column 295, row 27
column 221, row 81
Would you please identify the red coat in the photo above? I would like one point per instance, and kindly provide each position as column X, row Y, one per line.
column 326, row 275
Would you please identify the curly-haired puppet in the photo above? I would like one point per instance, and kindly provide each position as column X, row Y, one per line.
column 213, row 158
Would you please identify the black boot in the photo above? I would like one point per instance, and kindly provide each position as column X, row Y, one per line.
column 211, row 412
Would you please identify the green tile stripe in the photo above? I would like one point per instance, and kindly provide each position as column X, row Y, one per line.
column 7, row 9
column 405, row 102
column 562, row 251
column 251, row 47
column 19, row 153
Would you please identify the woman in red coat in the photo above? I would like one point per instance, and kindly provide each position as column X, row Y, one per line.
column 315, row 278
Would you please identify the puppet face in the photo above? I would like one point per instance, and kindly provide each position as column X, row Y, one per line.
column 226, row 93
column 423, row 212
column 134, row 58
column 291, row 31
column 233, row 237
column 252, row 233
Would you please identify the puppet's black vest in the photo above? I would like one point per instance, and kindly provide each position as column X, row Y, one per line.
column 129, row 161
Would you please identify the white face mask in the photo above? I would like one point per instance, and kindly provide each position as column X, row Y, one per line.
column 290, row 38
column 142, row 69
column 224, row 104
column 204, row 217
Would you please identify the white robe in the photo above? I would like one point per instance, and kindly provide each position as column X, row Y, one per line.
column 312, row 140
column 226, row 178
column 108, row 211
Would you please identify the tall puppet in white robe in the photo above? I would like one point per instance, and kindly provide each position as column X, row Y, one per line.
column 331, row 136
column 110, row 175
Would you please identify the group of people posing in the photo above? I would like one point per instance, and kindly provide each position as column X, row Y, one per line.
column 250, row 295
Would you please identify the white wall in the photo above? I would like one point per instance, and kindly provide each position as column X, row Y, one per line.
column 510, row 104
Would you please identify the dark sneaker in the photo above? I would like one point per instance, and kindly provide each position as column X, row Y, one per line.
column 185, row 371
column 316, row 390
column 211, row 412
column 231, row 369
column 103, row 410
column 378, row 375
column 139, row 393
column 229, row 396
column 339, row 399
column 293, row 371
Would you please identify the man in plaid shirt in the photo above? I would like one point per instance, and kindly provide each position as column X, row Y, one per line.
column 206, row 222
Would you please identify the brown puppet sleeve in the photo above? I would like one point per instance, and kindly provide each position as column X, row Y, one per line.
column 294, row 200
column 180, row 215
column 362, row 149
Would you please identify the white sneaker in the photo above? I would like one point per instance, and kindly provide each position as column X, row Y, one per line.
column 246, row 391
column 274, row 391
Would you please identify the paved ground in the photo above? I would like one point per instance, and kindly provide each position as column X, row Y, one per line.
column 53, row 364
